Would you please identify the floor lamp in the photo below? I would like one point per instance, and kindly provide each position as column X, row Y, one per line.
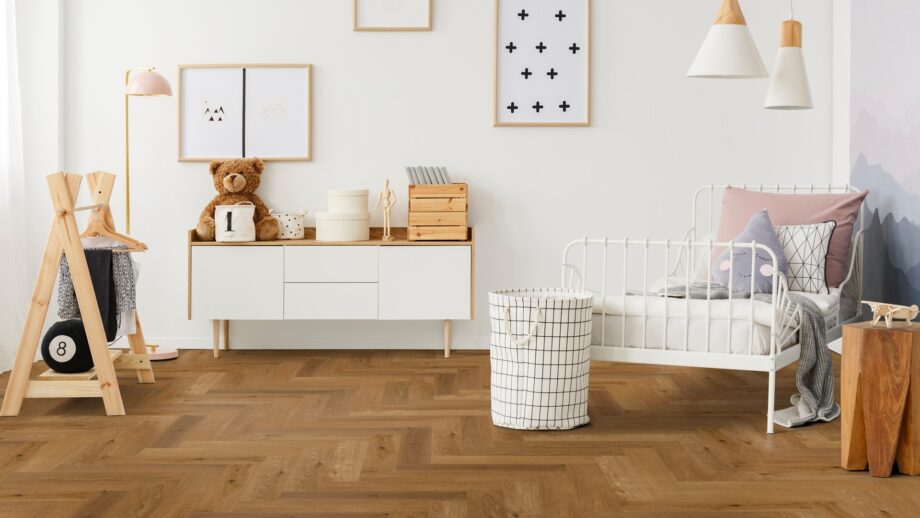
column 142, row 82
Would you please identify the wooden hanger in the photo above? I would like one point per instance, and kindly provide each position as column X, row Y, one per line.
column 101, row 222
column 98, row 227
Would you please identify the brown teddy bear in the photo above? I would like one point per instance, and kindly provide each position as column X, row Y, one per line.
column 236, row 181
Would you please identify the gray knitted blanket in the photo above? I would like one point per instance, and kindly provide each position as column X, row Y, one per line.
column 814, row 376
column 125, row 294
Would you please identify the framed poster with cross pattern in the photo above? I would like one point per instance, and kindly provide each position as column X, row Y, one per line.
column 542, row 63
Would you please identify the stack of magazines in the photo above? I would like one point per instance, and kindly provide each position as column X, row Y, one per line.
column 427, row 175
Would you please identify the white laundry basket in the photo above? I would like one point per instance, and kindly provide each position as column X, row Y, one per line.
column 540, row 352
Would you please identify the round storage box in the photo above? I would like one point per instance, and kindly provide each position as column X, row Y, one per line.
column 347, row 201
column 331, row 226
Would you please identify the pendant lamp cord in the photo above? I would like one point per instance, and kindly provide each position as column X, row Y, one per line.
column 791, row 12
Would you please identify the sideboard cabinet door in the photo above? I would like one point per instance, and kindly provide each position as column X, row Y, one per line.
column 237, row 282
column 424, row 283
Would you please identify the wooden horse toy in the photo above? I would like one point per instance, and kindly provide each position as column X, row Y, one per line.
column 100, row 381
column 891, row 312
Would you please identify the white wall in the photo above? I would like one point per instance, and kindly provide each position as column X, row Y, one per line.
column 386, row 100
column 841, row 165
column 38, row 35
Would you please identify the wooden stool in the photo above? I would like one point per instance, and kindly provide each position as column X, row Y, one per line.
column 880, row 406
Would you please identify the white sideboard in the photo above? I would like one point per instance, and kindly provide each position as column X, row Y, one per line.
column 313, row 280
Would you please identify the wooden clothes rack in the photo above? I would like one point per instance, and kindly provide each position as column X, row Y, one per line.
column 101, row 381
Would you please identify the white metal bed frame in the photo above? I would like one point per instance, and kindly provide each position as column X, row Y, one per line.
column 785, row 318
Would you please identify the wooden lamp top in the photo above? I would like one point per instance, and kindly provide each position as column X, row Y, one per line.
column 730, row 14
column 791, row 34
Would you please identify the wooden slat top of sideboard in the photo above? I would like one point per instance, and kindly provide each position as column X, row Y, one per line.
column 310, row 240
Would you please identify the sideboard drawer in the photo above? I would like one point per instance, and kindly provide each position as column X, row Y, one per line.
column 330, row 263
column 237, row 282
column 330, row 301
column 425, row 282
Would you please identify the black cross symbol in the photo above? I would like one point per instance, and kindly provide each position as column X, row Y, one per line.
column 574, row 48
column 541, row 47
column 559, row 15
column 537, row 107
column 565, row 106
column 526, row 73
column 523, row 14
column 511, row 47
column 552, row 73
column 512, row 107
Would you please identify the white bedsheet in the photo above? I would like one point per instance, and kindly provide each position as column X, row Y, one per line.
column 743, row 340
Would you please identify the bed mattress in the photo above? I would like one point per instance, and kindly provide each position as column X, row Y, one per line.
column 729, row 330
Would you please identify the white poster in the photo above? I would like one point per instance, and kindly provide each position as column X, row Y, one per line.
column 277, row 112
column 543, row 63
column 233, row 111
column 393, row 15
column 211, row 107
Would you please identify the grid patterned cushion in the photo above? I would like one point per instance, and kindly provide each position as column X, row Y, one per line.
column 806, row 249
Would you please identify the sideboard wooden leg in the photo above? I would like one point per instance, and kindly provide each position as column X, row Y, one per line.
column 447, row 338
column 226, row 335
column 217, row 338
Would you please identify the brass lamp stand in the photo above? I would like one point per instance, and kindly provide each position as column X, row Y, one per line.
column 143, row 82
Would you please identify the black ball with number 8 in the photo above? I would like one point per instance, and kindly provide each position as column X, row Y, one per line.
column 65, row 348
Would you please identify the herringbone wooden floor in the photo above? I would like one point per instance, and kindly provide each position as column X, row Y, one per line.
column 353, row 433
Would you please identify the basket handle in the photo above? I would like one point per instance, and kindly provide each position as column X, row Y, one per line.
column 533, row 326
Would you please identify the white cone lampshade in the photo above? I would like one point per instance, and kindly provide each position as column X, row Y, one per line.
column 728, row 52
column 789, row 88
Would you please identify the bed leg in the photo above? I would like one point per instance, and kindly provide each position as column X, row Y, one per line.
column 771, row 401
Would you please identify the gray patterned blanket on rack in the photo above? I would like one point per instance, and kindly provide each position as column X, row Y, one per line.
column 121, row 302
column 814, row 376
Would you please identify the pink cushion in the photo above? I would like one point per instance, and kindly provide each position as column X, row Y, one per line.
column 738, row 205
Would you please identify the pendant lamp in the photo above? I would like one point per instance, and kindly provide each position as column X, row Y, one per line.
column 728, row 52
column 789, row 88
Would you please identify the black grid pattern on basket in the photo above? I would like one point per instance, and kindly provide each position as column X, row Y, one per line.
column 541, row 384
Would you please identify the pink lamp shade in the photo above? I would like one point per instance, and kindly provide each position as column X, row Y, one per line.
column 147, row 82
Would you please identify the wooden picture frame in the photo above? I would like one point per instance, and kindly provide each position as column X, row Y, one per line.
column 292, row 139
column 500, row 119
column 391, row 26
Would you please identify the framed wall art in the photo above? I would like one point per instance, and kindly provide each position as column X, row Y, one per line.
column 542, row 63
column 392, row 15
column 233, row 111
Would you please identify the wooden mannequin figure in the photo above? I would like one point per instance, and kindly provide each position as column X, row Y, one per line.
column 388, row 198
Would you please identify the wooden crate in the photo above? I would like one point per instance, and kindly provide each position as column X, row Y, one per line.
column 438, row 212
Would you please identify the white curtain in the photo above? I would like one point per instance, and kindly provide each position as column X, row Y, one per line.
column 14, row 272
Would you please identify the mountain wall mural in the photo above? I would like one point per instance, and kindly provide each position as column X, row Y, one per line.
column 885, row 145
